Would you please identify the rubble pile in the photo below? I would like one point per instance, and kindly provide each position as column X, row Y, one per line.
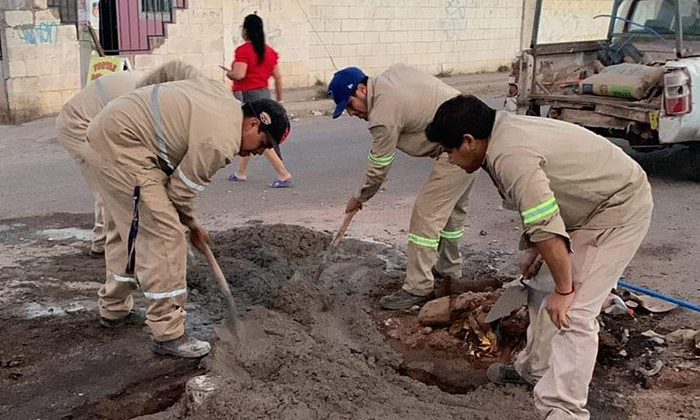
column 457, row 324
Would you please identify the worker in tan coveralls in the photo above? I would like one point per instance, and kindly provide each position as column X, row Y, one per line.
column 585, row 207
column 156, row 148
column 398, row 105
column 72, row 123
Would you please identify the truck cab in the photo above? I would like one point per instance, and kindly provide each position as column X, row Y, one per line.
column 641, row 83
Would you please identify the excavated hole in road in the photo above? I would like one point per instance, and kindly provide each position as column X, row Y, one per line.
column 270, row 271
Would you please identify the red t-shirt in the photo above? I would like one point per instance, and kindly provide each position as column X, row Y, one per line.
column 257, row 74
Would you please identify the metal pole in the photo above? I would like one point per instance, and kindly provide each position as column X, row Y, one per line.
column 536, row 24
column 679, row 31
column 611, row 27
column 533, row 44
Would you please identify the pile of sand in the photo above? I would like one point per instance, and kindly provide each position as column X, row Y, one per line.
column 314, row 362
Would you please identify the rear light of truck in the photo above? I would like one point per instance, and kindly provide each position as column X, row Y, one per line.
column 677, row 95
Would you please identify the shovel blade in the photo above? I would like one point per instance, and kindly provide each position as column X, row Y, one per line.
column 512, row 299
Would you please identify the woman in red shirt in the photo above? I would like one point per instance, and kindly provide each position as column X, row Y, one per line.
column 253, row 64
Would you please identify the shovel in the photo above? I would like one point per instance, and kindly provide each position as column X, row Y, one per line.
column 334, row 244
column 231, row 321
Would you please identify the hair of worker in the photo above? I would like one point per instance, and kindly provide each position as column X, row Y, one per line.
column 253, row 26
column 464, row 114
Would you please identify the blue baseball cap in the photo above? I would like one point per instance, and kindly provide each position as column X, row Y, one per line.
column 343, row 86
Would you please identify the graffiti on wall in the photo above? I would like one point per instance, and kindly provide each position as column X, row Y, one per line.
column 454, row 22
column 41, row 34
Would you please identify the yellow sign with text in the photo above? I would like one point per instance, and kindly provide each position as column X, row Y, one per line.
column 100, row 66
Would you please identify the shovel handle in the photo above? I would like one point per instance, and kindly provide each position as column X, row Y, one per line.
column 343, row 227
column 220, row 278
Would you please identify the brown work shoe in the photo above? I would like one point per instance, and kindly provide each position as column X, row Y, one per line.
column 185, row 347
column 402, row 300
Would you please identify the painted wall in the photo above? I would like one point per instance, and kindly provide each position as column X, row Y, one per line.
column 196, row 37
column 41, row 60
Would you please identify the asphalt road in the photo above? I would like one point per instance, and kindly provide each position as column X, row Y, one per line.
column 327, row 159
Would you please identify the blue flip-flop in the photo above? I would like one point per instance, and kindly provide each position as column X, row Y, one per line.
column 281, row 184
column 234, row 178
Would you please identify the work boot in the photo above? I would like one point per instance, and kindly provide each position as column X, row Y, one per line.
column 116, row 323
column 96, row 252
column 402, row 300
column 186, row 347
column 500, row 373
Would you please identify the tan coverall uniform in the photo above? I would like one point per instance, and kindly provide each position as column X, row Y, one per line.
column 401, row 102
column 169, row 139
column 72, row 123
column 567, row 181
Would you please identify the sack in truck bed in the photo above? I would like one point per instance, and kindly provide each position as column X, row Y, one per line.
column 627, row 80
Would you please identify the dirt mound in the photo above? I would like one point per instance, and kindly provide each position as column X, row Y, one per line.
column 316, row 361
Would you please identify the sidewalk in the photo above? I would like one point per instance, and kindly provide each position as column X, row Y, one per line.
column 304, row 102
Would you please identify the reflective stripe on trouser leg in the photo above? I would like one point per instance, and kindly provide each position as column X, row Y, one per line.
column 436, row 202
column 599, row 257
column 115, row 295
column 449, row 262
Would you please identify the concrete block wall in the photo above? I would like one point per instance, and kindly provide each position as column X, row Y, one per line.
column 566, row 21
column 196, row 37
column 438, row 36
column 286, row 29
column 40, row 60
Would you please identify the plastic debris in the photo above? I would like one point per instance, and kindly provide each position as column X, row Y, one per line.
column 658, row 365
column 614, row 305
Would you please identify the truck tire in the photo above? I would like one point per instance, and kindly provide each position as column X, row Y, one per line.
column 694, row 159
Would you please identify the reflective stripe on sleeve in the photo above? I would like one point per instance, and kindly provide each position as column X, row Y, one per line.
column 540, row 211
column 193, row 185
column 158, row 125
column 101, row 92
column 381, row 161
column 452, row 234
column 165, row 295
column 421, row 241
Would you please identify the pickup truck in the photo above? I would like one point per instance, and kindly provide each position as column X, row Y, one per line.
column 662, row 35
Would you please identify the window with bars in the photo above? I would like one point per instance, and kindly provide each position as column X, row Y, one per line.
column 67, row 9
column 156, row 6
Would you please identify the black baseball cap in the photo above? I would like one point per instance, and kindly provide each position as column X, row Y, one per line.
column 273, row 119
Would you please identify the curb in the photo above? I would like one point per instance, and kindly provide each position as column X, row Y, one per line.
column 316, row 108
